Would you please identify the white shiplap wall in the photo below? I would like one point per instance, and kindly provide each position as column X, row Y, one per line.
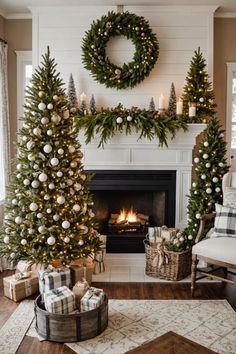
column 180, row 31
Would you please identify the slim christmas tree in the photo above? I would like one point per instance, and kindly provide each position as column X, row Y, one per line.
column 72, row 97
column 172, row 101
column 210, row 166
column 48, row 210
column 152, row 107
column 92, row 105
column 83, row 108
column 198, row 89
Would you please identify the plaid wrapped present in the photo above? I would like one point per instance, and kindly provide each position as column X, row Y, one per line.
column 100, row 256
column 20, row 285
column 60, row 301
column 49, row 280
column 92, row 299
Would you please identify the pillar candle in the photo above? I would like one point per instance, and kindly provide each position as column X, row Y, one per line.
column 83, row 97
column 192, row 111
column 161, row 102
column 179, row 107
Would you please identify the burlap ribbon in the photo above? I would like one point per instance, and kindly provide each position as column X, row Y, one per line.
column 22, row 275
column 161, row 257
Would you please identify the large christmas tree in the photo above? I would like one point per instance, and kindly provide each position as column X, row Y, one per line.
column 48, row 209
column 198, row 90
column 210, row 166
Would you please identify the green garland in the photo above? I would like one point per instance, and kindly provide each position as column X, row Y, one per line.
column 132, row 27
column 149, row 124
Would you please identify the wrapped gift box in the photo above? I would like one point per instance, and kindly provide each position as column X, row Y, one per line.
column 168, row 233
column 80, row 271
column 99, row 256
column 60, row 301
column 54, row 279
column 92, row 299
column 17, row 289
column 79, row 290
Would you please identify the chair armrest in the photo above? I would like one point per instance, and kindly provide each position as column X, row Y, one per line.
column 201, row 229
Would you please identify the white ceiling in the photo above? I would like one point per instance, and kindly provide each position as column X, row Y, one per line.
column 11, row 8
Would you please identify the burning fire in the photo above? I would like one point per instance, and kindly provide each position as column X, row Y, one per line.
column 127, row 216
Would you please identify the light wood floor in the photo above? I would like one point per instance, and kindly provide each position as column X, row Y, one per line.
column 179, row 291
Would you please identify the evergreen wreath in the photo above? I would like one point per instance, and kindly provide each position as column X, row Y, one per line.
column 132, row 27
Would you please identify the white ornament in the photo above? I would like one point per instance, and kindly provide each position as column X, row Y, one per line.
column 201, row 99
column 51, row 241
column 41, row 93
column 215, row 179
column 71, row 149
column 203, row 176
column 76, row 207
column 69, row 182
column 49, row 210
column 208, row 165
column 181, row 239
column 43, row 177
column 35, row 184
column 30, row 231
column 33, row 206
column 51, row 186
column 77, row 186
column 217, row 189
column 18, row 220
column 39, row 215
column 54, row 161
column 129, row 119
column 66, row 114
column 49, row 132
column 73, row 164
column 56, row 217
column 60, row 151
column 208, row 190
column 23, row 242
column 222, row 135
column 24, row 138
column 61, row 199
column 6, row 240
column 30, row 144
column 196, row 160
column 83, row 177
column 50, row 106
column 190, row 237
column 26, row 182
column 221, row 164
column 81, row 242
column 44, row 120
column 41, row 106
column 36, row 167
column 31, row 157
column 14, row 201
column 205, row 156
column 206, row 144
column 198, row 215
column 194, row 184
column 46, row 197
column 66, row 239
column 119, row 120
column 18, row 166
column 12, row 255
column 18, row 176
column 41, row 229
column 47, row 148
column 65, row 224
column 37, row 131
column 59, row 174
column 55, row 97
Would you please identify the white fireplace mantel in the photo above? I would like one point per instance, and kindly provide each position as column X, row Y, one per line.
column 124, row 152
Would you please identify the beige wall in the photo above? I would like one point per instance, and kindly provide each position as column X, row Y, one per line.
column 1, row 27
column 224, row 51
column 18, row 34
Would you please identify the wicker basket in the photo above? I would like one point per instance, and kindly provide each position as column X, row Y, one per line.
column 72, row 327
column 177, row 268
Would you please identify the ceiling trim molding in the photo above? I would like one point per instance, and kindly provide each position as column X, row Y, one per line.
column 225, row 14
column 19, row 16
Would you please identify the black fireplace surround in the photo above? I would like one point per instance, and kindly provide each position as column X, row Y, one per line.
column 152, row 193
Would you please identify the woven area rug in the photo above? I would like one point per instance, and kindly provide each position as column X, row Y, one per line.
column 211, row 323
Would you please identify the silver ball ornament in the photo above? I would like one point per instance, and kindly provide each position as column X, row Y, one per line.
column 65, row 224
column 50, row 106
column 119, row 120
column 51, row 241
column 41, row 106
column 47, row 148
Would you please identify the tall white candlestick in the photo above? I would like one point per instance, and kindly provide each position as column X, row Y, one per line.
column 83, row 97
column 179, row 107
column 192, row 111
column 161, row 102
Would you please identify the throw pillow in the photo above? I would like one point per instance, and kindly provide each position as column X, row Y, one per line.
column 230, row 197
column 225, row 221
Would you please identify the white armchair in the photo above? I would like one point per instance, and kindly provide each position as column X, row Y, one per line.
column 218, row 251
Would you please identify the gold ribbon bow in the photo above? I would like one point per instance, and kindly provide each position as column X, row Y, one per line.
column 161, row 257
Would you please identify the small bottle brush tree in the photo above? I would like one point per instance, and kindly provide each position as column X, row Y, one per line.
column 172, row 102
column 48, row 209
column 198, row 89
column 72, row 97
column 152, row 107
column 92, row 105
column 210, row 166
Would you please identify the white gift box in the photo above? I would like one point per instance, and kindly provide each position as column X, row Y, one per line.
column 60, row 301
column 92, row 299
column 49, row 280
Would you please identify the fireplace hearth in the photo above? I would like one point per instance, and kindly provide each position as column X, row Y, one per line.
column 126, row 203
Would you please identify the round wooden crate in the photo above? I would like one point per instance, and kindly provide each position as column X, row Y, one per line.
column 72, row 327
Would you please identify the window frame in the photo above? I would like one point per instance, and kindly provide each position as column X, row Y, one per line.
column 231, row 68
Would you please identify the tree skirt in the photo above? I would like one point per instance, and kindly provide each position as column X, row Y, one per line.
column 211, row 323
